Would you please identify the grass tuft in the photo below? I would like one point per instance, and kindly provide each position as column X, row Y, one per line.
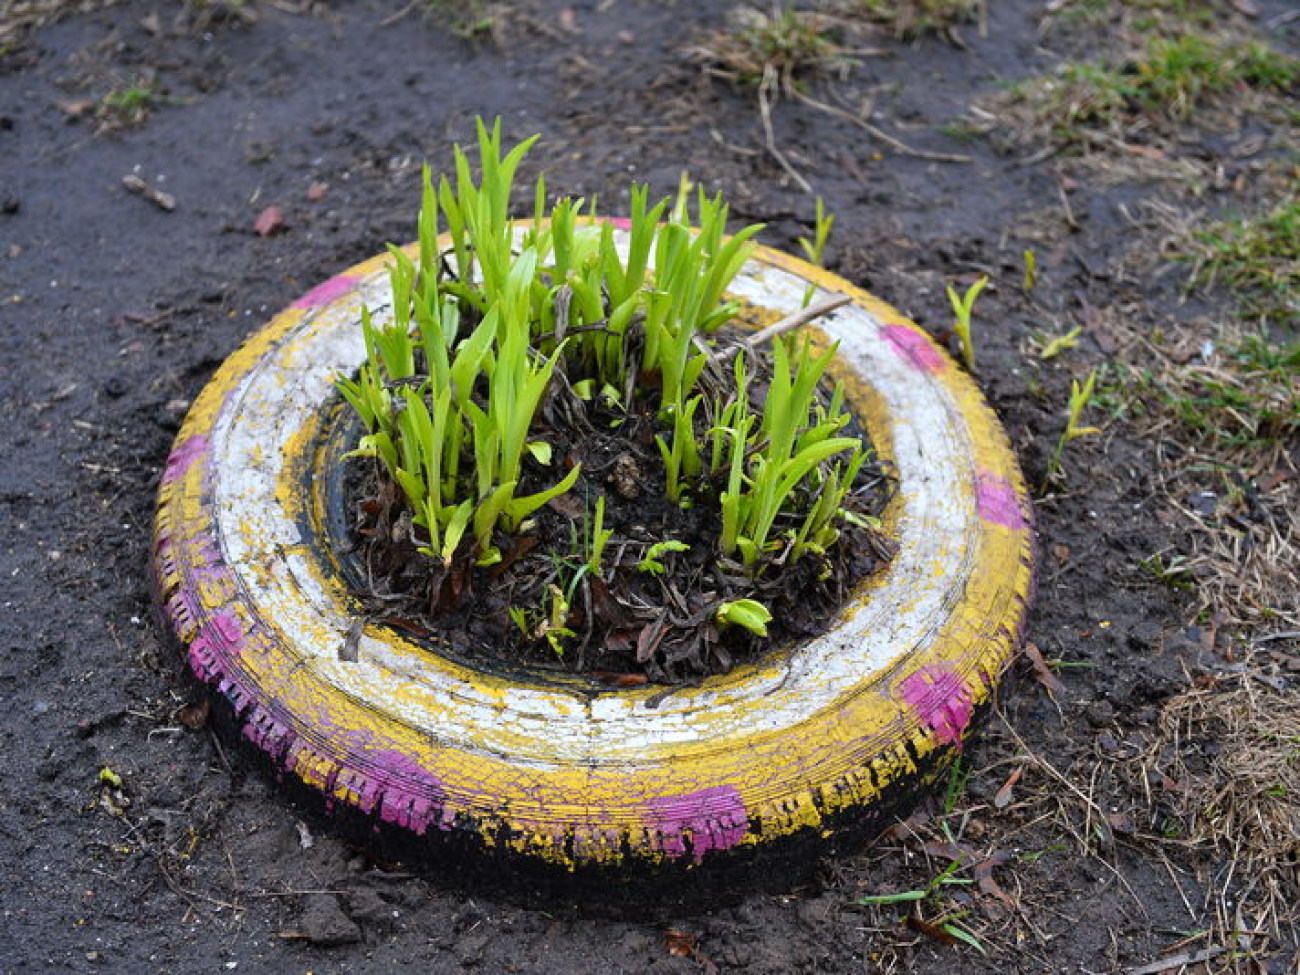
column 1166, row 82
column 1256, row 256
column 910, row 19
column 784, row 43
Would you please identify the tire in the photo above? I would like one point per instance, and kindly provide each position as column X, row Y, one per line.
column 783, row 753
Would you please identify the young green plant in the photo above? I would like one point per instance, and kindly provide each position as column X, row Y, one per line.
column 815, row 249
column 1079, row 398
column 962, row 306
column 489, row 323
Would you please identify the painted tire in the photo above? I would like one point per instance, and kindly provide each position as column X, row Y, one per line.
column 804, row 742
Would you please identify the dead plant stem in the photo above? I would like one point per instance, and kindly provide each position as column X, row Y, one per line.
column 896, row 144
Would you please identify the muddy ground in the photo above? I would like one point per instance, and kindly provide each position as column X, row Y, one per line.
column 114, row 311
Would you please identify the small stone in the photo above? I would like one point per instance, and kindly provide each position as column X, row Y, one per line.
column 367, row 906
column 1100, row 714
column 625, row 477
column 324, row 923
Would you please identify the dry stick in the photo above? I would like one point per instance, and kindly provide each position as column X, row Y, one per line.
column 1284, row 635
column 788, row 324
column 394, row 18
column 765, row 111
column 879, row 133
column 1177, row 961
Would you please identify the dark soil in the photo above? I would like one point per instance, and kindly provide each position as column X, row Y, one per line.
column 115, row 309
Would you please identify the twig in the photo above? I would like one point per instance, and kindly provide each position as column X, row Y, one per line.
column 788, row 324
column 1178, row 961
column 189, row 895
column 765, row 111
column 1284, row 635
column 879, row 133
column 1072, row 223
column 394, row 18
column 221, row 752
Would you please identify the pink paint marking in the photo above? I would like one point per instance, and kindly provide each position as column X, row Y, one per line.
column 915, row 348
column 621, row 223
column 326, row 292
column 221, row 638
column 996, row 501
column 268, row 733
column 716, row 818
column 183, row 456
column 942, row 700
column 185, row 610
column 412, row 796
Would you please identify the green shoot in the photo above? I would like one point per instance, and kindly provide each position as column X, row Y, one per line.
column 1079, row 397
column 597, row 539
column 795, row 457
column 962, row 306
column 1031, row 271
column 902, row 897
column 815, row 249
column 749, row 613
column 957, row 776
column 1173, row 572
column 651, row 563
column 961, row 933
column 1061, row 343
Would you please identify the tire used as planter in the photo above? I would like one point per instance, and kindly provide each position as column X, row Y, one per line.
column 809, row 739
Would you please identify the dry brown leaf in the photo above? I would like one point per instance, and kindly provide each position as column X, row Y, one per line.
column 194, row 716
column 1043, row 672
column 1003, row 797
column 681, row 943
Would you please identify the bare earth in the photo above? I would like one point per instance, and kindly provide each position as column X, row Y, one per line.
column 1074, row 843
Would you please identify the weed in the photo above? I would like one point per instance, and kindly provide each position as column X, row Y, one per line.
column 1079, row 398
column 815, row 249
column 1141, row 16
column 784, row 42
column 1174, row 572
column 909, row 19
column 946, row 924
column 470, row 20
column 1167, row 80
column 962, row 306
column 962, row 130
column 1244, row 398
column 129, row 105
column 1030, row 281
column 1258, row 256
column 1052, row 346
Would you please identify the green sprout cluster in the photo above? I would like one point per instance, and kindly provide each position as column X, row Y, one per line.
column 487, row 323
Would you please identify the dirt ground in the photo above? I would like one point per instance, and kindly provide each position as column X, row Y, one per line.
column 1070, row 840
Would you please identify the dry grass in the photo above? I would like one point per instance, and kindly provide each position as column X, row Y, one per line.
column 1135, row 103
column 1233, row 755
column 1218, row 399
column 792, row 44
column 17, row 17
column 909, row 19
